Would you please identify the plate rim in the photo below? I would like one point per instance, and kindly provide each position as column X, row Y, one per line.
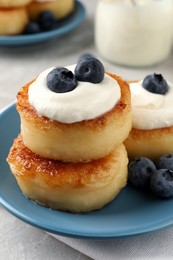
column 159, row 225
column 83, row 235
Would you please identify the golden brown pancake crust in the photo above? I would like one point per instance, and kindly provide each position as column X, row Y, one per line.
column 123, row 106
column 13, row 21
column 13, row 3
column 56, row 173
column 74, row 187
column 150, row 143
column 76, row 142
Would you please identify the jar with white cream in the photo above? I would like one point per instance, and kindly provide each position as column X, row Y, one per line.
column 134, row 32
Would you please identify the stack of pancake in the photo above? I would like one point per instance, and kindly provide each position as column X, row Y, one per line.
column 75, row 167
column 15, row 14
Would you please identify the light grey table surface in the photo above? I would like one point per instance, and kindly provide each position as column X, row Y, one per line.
column 18, row 65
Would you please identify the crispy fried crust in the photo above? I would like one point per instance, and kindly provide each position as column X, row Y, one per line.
column 149, row 143
column 17, row 22
column 81, row 141
column 60, row 8
column 73, row 187
column 123, row 106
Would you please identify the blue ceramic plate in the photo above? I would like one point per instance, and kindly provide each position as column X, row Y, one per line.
column 131, row 213
column 74, row 20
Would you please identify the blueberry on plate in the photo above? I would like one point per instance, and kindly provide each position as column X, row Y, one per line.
column 61, row 80
column 140, row 171
column 89, row 69
column 161, row 183
column 155, row 83
column 47, row 21
column 165, row 162
column 32, row 28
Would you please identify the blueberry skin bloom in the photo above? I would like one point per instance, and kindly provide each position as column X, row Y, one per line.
column 89, row 69
column 140, row 171
column 86, row 56
column 47, row 20
column 32, row 28
column 156, row 84
column 161, row 184
column 165, row 162
column 61, row 80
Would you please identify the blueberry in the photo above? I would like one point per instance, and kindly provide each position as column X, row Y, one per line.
column 155, row 83
column 47, row 20
column 89, row 69
column 165, row 162
column 61, row 80
column 86, row 56
column 161, row 183
column 32, row 28
column 140, row 171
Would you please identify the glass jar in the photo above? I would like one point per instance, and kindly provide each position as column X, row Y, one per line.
column 134, row 32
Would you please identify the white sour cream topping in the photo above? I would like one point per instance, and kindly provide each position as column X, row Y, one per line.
column 86, row 101
column 149, row 110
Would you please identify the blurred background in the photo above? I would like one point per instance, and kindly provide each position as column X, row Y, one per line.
column 123, row 30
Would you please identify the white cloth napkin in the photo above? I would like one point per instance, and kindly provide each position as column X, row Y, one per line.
column 157, row 245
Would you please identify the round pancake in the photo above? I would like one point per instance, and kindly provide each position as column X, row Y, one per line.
column 17, row 22
column 77, row 142
column 150, row 143
column 79, row 187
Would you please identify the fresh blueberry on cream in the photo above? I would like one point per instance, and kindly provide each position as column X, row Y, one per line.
column 86, row 101
column 61, row 80
column 89, row 69
column 85, row 56
column 152, row 104
column 155, row 83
